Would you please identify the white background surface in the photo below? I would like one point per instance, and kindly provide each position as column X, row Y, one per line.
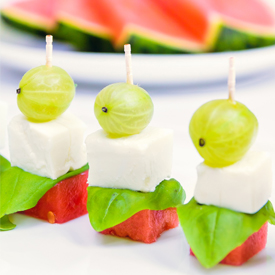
column 36, row 247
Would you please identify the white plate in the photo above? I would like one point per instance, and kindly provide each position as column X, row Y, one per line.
column 23, row 52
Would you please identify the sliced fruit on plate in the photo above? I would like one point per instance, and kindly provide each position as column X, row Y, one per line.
column 151, row 26
column 31, row 15
column 83, row 24
column 225, row 25
column 148, row 28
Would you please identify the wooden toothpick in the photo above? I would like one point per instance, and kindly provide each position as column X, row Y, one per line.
column 231, row 79
column 49, row 50
column 127, row 50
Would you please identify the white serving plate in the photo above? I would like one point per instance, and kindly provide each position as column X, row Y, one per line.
column 23, row 51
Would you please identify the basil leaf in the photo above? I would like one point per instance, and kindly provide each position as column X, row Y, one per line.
column 212, row 232
column 6, row 224
column 108, row 207
column 4, row 164
column 20, row 190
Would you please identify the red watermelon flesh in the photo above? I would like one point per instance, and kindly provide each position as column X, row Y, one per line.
column 86, row 15
column 257, row 17
column 145, row 226
column 254, row 244
column 198, row 11
column 208, row 15
column 145, row 18
column 65, row 201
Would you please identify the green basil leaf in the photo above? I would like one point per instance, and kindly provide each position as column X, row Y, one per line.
column 6, row 224
column 20, row 190
column 108, row 207
column 4, row 164
column 212, row 232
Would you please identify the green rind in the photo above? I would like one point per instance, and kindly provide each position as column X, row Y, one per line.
column 108, row 207
column 212, row 232
column 25, row 26
column 227, row 39
column 82, row 40
column 145, row 45
column 234, row 40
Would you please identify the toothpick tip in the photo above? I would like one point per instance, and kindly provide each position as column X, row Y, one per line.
column 127, row 47
column 49, row 38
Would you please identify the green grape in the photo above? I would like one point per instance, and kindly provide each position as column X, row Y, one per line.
column 223, row 131
column 45, row 93
column 123, row 109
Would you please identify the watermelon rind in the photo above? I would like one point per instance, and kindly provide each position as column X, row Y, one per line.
column 84, row 40
column 26, row 28
column 146, row 41
column 230, row 39
column 224, row 34
column 27, row 21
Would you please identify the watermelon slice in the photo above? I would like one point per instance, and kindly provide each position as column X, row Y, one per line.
column 148, row 28
column 145, row 226
column 253, row 245
column 82, row 24
column 225, row 25
column 32, row 15
column 65, row 201
column 151, row 26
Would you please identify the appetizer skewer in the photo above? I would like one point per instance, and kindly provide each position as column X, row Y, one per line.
column 47, row 151
column 226, row 221
column 128, row 194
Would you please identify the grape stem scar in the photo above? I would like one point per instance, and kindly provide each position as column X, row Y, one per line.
column 201, row 142
column 104, row 109
column 18, row 91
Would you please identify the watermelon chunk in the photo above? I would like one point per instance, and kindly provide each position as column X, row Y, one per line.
column 254, row 244
column 67, row 200
column 146, row 225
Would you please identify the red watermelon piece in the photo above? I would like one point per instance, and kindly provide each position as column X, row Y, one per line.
column 146, row 225
column 253, row 245
column 65, row 201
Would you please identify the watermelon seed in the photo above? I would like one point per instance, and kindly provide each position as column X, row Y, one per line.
column 51, row 217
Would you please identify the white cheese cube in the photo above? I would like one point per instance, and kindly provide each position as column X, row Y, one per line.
column 48, row 149
column 244, row 186
column 3, row 123
column 138, row 162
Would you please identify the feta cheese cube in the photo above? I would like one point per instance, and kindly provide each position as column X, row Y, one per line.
column 244, row 186
column 49, row 149
column 138, row 162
